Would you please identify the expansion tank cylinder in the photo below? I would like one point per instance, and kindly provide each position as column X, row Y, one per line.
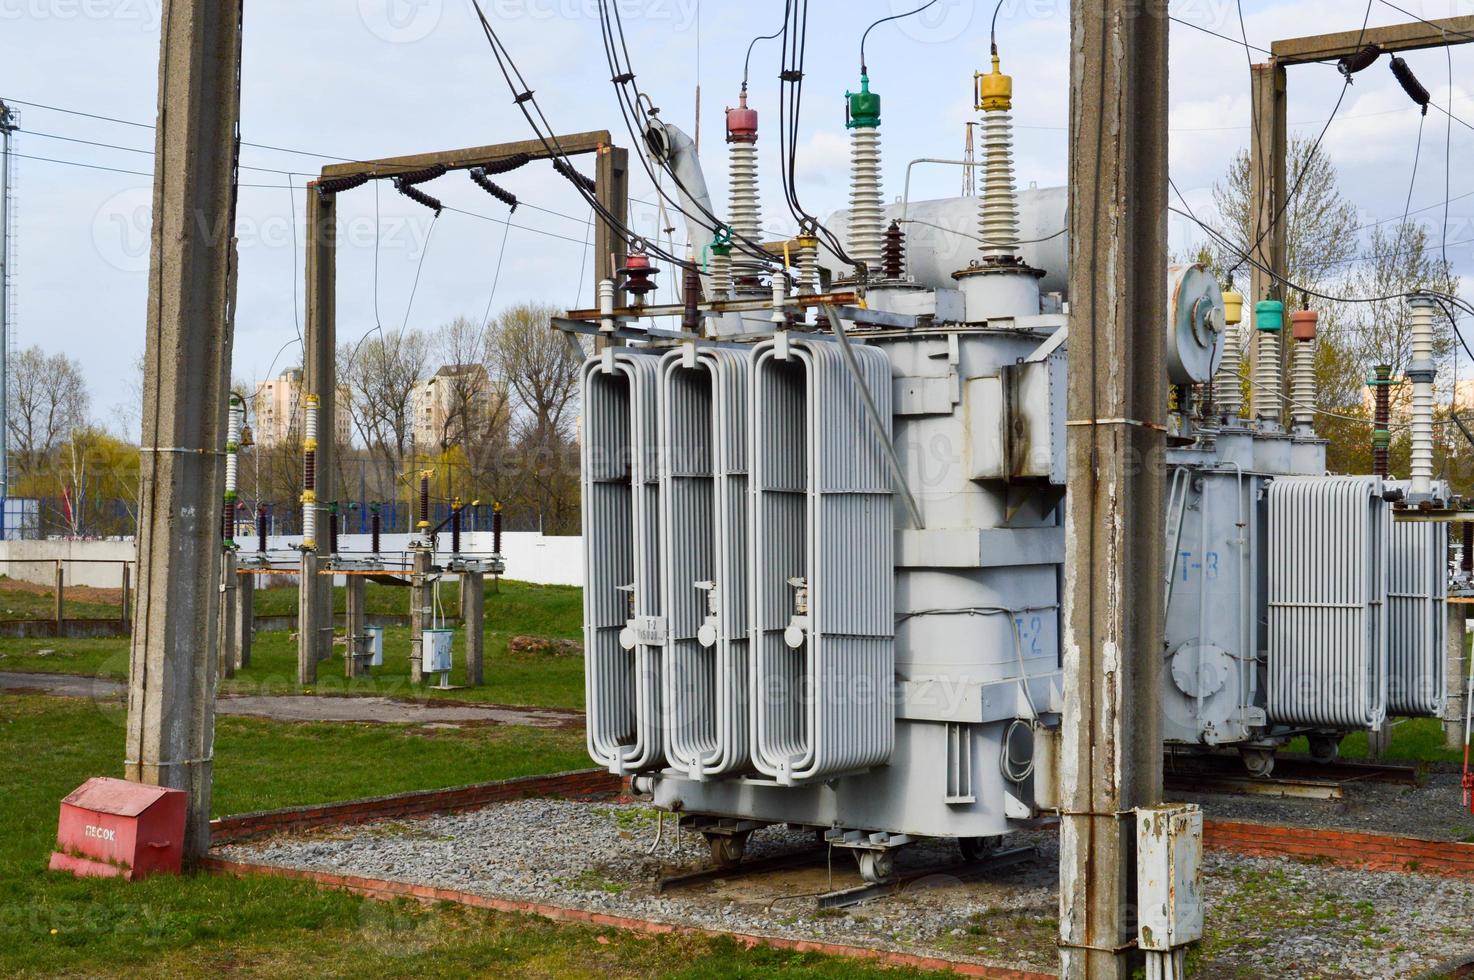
column 1421, row 374
column 1228, row 385
column 309, row 473
column 1269, row 322
column 1302, row 371
column 745, row 208
column 867, row 223
column 997, row 284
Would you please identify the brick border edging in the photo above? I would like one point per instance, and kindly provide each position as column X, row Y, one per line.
column 382, row 889
column 1342, row 848
column 578, row 784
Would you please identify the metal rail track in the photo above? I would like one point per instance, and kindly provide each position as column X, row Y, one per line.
column 776, row 862
column 958, row 870
column 1294, row 767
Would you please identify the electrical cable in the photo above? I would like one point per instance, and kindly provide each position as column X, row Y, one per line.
column 747, row 61
column 527, row 103
column 892, row 17
column 415, row 287
column 292, row 221
column 638, row 121
column 1225, row 37
column 1314, row 148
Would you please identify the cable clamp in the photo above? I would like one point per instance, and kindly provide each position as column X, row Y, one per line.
column 791, row 75
column 523, row 97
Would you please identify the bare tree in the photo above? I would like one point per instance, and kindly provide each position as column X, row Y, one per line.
column 1319, row 223
column 541, row 373
column 381, row 375
column 48, row 399
column 473, row 410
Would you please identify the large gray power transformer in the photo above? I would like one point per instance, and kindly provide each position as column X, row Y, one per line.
column 824, row 538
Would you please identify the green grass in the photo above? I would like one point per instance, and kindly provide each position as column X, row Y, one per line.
column 515, row 609
column 203, row 926
column 16, row 604
column 1413, row 740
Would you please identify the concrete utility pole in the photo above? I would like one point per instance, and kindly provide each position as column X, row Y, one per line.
column 172, row 667
column 320, row 378
column 7, row 127
column 1111, row 757
column 473, row 610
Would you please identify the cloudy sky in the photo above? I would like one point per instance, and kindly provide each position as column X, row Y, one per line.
column 366, row 78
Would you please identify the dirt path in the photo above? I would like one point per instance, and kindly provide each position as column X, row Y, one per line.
column 305, row 707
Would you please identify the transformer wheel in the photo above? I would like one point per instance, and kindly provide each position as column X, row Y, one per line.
column 1259, row 762
column 727, row 849
column 1325, row 748
column 876, row 866
column 976, row 848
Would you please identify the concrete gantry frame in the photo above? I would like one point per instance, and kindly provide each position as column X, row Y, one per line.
column 611, row 188
column 1269, row 146
column 1111, row 752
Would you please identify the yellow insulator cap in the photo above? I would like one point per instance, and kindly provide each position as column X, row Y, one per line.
column 309, row 497
column 311, row 399
column 993, row 91
column 1233, row 306
column 309, row 445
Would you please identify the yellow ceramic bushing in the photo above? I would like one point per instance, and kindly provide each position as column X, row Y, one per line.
column 994, row 91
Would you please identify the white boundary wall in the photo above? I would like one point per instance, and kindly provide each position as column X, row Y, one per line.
column 531, row 557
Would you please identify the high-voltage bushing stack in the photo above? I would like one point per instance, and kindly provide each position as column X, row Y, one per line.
column 623, row 633
column 1327, row 596
column 703, row 532
column 822, row 530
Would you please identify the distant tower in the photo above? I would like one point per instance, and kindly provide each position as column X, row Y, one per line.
column 8, row 125
column 969, row 164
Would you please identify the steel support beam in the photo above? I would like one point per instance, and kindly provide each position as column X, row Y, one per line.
column 171, row 675
column 1111, row 743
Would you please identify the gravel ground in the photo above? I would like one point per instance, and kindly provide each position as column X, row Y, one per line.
column 1433, row 810
column 1267, row 917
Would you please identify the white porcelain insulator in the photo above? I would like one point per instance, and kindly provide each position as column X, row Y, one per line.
column 721, row 274
column 1267, row 381
column 1420, row 468
column 808, row 269
column 1302, row 385
column 746, row 210
column 867, row 222
column 998, row 212
column 1227, row 385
